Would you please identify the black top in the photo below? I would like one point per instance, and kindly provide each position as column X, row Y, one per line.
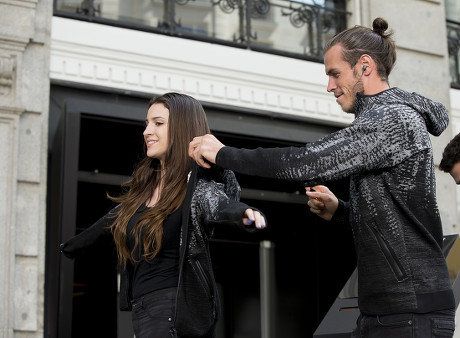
column 211, row 200
column 163, row 271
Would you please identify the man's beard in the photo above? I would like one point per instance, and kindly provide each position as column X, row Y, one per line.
column 357, row 88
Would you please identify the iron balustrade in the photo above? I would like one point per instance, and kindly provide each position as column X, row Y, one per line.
column 296, row 29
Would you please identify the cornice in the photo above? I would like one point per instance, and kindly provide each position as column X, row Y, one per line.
column 153, row 64
column 20, row 3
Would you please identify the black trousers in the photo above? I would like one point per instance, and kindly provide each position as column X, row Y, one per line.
column 153, row 314
column 407, row 325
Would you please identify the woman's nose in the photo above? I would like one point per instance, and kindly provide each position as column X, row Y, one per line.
column 147, row 130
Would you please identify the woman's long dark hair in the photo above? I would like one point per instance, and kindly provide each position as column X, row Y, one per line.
column 187, row 119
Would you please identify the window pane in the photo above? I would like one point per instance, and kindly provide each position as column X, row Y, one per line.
column 217, row 20
column 453, row 10
column 453, row 43
column 296, row 27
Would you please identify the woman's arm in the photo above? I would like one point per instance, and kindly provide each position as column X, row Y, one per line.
column 214, row 207
column 100, row 230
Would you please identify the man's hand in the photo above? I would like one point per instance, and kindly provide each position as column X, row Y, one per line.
column 204, row 148
column 322, row 202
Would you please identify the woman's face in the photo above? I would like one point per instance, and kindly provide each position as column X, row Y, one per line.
column 156, row 131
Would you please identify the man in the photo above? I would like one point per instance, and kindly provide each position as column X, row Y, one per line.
column 450, row 162
column 404, row 286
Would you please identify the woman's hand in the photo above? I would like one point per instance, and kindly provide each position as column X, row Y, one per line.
column 253, row 216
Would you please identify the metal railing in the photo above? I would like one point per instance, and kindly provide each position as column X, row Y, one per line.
column 296, row 29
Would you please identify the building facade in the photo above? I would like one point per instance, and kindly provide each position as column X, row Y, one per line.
column 75, row 80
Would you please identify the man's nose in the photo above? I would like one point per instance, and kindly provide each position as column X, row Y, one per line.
column 331, row 85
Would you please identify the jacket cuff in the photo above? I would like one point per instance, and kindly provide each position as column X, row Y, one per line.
column 342, row 212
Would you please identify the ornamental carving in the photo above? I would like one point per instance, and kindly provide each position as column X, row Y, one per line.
column 6, row 75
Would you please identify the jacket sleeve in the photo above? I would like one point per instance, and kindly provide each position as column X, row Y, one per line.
column 342, row 214
column 213, row 207
column 97, row 232
column 373, row 142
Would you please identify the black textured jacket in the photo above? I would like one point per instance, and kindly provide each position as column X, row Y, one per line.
column 212, row 199
column 387, row 154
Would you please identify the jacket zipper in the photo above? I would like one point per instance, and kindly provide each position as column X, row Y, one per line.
column 191, row 182
column 205, row 278
column 390, row 256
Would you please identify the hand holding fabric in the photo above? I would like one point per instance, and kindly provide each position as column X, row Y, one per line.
column 204, row 149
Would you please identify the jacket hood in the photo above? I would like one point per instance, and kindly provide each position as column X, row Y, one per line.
column 434, row 113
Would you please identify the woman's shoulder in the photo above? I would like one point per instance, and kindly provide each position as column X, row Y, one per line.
column 220, row 178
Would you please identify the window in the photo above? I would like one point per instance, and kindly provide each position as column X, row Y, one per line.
column 296, row 28
column 453, row 40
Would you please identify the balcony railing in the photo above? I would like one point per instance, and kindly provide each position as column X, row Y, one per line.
column 453, row 43
column 296, row 29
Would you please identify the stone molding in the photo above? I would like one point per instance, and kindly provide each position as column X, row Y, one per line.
column 7, row 67
column 82, row 56
column 8, row 165
column 21, row 3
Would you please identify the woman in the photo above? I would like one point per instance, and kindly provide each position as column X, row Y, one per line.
column 162, row 224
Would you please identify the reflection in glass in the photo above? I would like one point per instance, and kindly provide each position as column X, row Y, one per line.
column 296, row 27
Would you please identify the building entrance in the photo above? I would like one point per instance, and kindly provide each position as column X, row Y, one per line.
column 95, row 140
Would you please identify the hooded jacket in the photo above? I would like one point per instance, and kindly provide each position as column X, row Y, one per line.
column 212, row 198
column 387, row 154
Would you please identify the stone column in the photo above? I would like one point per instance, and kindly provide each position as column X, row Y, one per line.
column 24, row 100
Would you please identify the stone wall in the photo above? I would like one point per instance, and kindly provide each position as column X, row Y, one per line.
column 24, row 96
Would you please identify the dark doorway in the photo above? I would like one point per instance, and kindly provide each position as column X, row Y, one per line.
column 95, row 140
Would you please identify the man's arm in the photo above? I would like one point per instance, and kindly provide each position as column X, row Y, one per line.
column 335, row 156
column 356, row 148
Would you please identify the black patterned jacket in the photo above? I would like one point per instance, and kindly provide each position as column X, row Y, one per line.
column 212, row 199
column 387, row 155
